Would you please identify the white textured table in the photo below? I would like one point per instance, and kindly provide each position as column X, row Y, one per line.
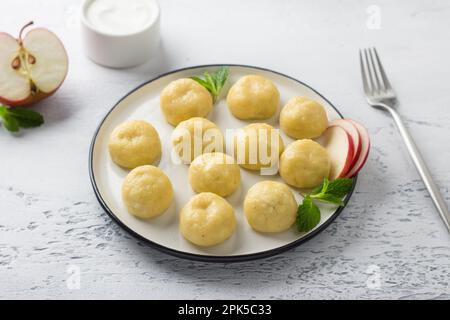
column 388, row 243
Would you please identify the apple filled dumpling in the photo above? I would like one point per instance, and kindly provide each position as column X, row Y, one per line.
column 270, row 207
column 207, row 220
column 304, row 164
column 303, row 118
column 253, row 97
column 134, row 143
column 147, row 192
column 258, row 146
column 183, row 99
column 195, row 136
column 215, row 172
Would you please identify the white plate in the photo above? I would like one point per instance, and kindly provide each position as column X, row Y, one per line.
column 162, row 232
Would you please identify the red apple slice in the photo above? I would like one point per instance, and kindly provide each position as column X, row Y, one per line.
column 353, row 132
column 340, row 147
column 365, row 147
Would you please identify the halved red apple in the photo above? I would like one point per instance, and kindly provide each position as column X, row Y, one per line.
column 340, row 147
column 31, row 68
column 365, row 147
column 353, row 132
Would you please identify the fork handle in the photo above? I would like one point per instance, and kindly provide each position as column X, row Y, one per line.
column 421, row 167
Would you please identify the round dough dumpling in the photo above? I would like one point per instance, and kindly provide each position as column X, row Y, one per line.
column 134, row 143
column 207, row 220
column 304, row 164
column 270, row 207
column 183, row 99
column 253, row 98
column 303, row 118
column 195, row 136
column 258, row 146
column 215, row 172
column 147, row 192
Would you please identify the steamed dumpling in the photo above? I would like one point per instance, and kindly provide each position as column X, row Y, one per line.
column 195, row 136
column 215, row 172
column 304, row 164
column 270, row 207
column 303, row 118
column 253, row 98
column 184, row 99
column 147, row 192
column 255, row 140
column 207, row 220
column 134, row 143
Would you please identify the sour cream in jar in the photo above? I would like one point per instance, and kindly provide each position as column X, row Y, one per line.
column 120, row 17
column 120, row 33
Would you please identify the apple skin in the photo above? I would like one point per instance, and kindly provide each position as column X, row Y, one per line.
column 365, row 150
column 349, row 158
column 40, row 95
column 341, row 151
column 32, row 99
column 353, row 131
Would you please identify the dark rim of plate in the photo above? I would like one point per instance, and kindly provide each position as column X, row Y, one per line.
column 201, row 257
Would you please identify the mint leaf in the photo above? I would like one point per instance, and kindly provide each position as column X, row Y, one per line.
column 329, row 198
column 211, row 82
column 221, row 78
column 203, row 83
column 332, row 189
column 15, row 118
column 308, row 215
column 337, row 188
column 10, row 123
column 340, row 187
column 26, row 118
column 214, row 82
column 322, row 188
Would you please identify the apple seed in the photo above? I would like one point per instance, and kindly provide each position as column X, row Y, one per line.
column 31, row 59
column 16, row 63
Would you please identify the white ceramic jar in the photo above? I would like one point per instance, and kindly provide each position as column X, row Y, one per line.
column 119, row 33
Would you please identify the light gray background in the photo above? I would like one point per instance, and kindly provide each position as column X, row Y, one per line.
column 50, row 219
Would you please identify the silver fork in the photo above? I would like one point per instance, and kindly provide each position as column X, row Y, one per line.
column 379, row 94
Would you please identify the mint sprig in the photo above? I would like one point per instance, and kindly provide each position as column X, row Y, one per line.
column 334, row 192
column 308, row 215
column 14, row 119
column 214, row 82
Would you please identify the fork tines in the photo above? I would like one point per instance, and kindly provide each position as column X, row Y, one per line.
column 372, row 71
